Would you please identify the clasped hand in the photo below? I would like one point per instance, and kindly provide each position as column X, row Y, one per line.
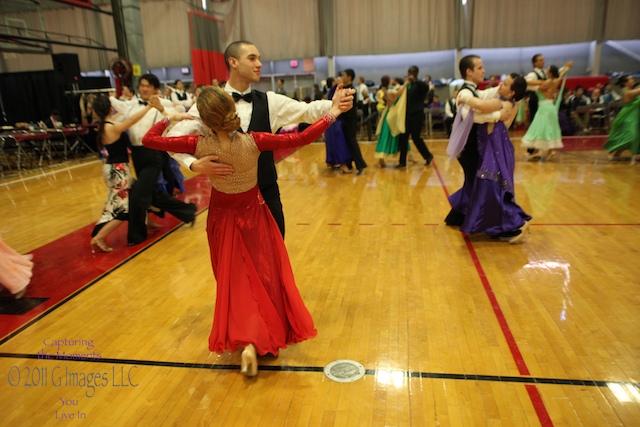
column 343, row 98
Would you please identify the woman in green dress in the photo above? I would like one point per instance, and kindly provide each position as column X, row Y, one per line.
column 544, row 134
column 625, row 130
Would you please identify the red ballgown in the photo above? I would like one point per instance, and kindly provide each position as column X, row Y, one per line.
column 257, row 301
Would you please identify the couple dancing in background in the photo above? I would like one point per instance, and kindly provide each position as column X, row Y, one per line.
column 480, row 140
column 544, row 135
column 125, row 200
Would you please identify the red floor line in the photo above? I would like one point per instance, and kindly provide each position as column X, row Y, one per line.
column 502, row 321
column 538, row 404
column 586, row 225
column 444, row 187
column 532, row 390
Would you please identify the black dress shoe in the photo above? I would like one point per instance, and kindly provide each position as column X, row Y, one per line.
column 360, row 172
column 454, row 218
column 401, row 165
column 508, row 236
column 429, row 160
column 193, row 220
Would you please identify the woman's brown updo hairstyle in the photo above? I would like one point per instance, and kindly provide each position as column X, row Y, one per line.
column 217, row 110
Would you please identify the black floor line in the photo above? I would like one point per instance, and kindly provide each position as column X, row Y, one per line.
column 406, row 374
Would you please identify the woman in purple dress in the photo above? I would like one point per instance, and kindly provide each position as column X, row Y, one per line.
column 338, row 155
column 492, row 208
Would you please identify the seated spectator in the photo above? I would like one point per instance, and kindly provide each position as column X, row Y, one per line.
column 580, row 119
column 54, row 121
column 564, row 114
column 609, row 94
column 597, row 97
column 435, row 103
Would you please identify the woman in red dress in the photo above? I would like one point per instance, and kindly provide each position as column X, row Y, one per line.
column 258, row 305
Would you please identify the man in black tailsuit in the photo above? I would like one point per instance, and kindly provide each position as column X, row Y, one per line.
column 416, row 94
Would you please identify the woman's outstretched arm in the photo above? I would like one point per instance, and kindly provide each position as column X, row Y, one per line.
column 269, row 142
column 179, row 144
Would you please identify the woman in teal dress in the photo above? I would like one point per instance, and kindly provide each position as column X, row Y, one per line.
column 625, row 130
column 544, row 134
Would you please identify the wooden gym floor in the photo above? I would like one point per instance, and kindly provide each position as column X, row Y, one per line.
column 452, row 330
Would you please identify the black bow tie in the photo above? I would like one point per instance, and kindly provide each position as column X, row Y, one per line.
column 143, row 102
column 237, row 97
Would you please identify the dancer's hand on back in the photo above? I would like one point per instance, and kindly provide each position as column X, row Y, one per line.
column 505, row 115
column 209, row 165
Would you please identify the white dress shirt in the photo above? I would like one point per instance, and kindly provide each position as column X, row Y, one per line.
column 362, row 89
column 464, row 94
column 138, row 130
column 448, row 112
column 187, row 103
column 282, row 111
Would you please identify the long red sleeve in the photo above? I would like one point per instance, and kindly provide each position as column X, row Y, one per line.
column 270, row 142
column 179, row 144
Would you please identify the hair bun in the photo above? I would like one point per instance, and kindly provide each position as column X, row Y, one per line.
column 230, row 122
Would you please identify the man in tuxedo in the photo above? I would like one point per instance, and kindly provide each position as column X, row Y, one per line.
column 180, row 97
column 534, row 79
column 148, row 163
column 258, row 111
column 537, row 75
column 472, row 69
column 450, row 110
column 416, row 95
column 350, row 125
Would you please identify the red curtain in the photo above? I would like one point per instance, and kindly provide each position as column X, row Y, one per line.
column 207, row 56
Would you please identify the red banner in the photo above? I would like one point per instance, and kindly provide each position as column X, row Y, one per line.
column 81, row 3
column 207, row 56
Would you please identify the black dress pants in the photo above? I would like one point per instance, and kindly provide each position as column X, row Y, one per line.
column 145, row 193
column 414, row 128
column 469, row 159
column 268, row 185
column 350, row 129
